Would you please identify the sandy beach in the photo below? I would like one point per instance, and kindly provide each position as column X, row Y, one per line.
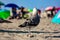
column 45, row 25
column 12, row 11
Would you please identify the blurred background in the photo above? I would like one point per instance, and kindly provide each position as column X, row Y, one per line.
column 40, row 4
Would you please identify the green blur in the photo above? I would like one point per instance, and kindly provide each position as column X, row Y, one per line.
column 4, row 14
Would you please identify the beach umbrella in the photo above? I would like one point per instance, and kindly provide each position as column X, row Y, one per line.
column 56, row 18
column 58, row 8
column 49, row 8
column 12, row 5
column 4, row 14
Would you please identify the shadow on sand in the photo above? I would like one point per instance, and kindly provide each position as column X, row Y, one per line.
column 5, row 21
column 10, row 31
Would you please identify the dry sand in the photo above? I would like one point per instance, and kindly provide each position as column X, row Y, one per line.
column 45, row 25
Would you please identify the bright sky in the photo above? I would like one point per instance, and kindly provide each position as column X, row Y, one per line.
column 34, row 3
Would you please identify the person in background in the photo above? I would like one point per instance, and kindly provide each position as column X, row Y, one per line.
column 22, row 11
column 13, row 13
column 53, row 12
column 19, row 13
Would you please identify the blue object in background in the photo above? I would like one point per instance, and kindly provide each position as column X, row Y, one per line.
column 56, row 18
column 30, row 4
column 12, row 5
